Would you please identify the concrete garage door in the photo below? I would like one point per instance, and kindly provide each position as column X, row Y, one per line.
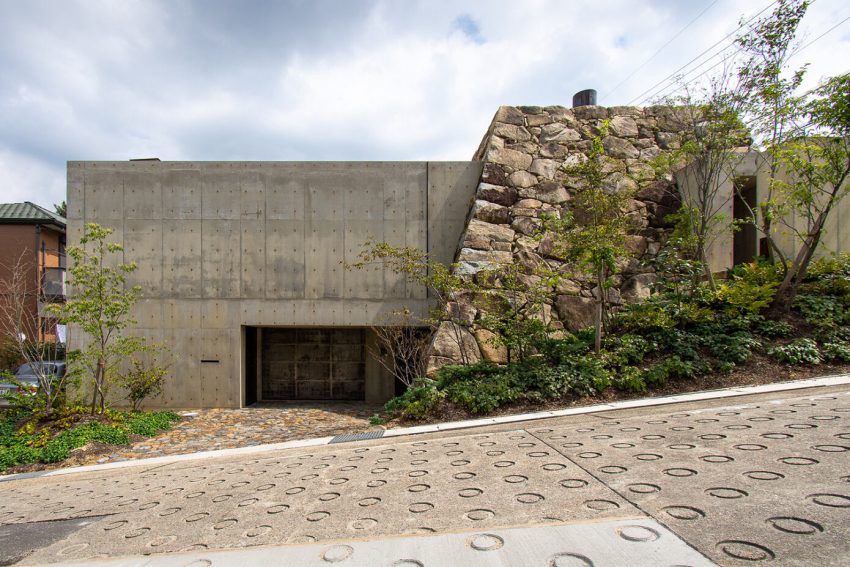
column 313, row 364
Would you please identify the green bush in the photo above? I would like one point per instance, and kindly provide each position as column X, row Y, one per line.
column 18, row 455
column 150, row 424
column 750, row 288
column 801, row 351
column 647, row 317
column 736, row 348
column 835, row 351
column 628, row 379
column 482, row 395
column 822, row 311
column 418, row 401
column 772, row 329
column 673, row 368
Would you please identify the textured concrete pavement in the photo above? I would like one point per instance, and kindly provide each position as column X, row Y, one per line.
column 756, row 480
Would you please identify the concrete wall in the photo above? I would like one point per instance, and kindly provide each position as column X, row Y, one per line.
column 755, row 166
column 223, row 245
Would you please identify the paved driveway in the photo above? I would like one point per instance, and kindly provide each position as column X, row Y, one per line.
column 758, row 480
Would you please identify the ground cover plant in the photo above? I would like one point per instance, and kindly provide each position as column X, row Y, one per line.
column 24, row 439
column 664, row 341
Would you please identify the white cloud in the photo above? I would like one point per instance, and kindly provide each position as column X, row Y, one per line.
column 379, row 80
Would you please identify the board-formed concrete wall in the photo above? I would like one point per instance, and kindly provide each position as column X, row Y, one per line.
column 225, row 245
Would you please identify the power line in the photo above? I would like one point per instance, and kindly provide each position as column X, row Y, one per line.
column 727, row 36
column 737, row 51
column 659, row 50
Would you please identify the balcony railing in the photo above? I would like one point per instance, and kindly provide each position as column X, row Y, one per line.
column 53, row 284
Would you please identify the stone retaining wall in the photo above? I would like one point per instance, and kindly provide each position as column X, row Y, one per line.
column 524, row 152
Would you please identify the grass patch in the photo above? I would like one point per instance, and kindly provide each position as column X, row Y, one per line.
column 24, row 441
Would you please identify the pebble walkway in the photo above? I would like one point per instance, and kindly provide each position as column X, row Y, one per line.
column 211, row 429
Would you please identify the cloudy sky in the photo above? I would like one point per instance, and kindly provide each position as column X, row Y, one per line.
column 332, row 80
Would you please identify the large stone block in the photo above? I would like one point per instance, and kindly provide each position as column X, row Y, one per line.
column 481, row 235
column 510, row 158
column 619, row 148
column 454, row 343
column 623, row 126
column 490, row 350
column 575, row 312
column 491, row 212
column 505, row 196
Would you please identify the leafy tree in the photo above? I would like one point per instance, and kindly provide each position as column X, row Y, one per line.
column 61, row 208
column 818, row 166
column 511, row 298
column 592, row 235
column 711, row 131
column 100, row 306
column 771, row 105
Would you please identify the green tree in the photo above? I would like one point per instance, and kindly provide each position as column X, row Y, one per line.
column 61, row 208
column 99, row 305
column 817, row 165
column 592, row 235
column 711, row 130
column 771, row 105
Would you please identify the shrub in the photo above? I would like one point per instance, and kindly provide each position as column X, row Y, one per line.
column 751, row 287
column 484, row 394
column 772, row 329
column 645, row 317
column 142, row 381
column 60, row 446
column 628, row 379
column 150, row 424
column 586, row 376
column 418, row 401
column 736, row 348
column 673, row 368
column 836, row 350
column 822, row 311
column 801, row 351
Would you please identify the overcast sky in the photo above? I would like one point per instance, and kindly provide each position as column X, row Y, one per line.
column 329, row 80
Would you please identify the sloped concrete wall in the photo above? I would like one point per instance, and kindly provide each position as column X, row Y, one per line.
column 223, row 245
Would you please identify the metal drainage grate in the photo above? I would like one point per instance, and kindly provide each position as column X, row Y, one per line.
column 358, row 436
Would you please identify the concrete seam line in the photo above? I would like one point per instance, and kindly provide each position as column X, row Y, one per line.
column 835, row 380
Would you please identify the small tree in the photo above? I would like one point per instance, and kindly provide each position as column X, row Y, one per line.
column 142, row 381
column 592, row 236
column 711, row 131
column 818, row 166
column 20, row 330
column 448, row 289
column 403, row 345
column 100, row 305
column 511, row 298
column 771, row 105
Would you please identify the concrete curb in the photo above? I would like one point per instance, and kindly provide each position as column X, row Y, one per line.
column 838, row 380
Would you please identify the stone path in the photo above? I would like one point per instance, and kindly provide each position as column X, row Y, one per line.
column 211, row 429
column 756, row 480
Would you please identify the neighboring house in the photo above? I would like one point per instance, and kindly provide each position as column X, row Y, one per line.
column 32, row 239
column 242, row 263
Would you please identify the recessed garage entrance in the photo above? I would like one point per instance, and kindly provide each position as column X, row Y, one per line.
column 312, row 364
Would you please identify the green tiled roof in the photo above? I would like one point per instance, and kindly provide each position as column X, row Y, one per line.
column 27, row 212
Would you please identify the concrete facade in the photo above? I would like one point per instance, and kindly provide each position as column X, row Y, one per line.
column 225, row 247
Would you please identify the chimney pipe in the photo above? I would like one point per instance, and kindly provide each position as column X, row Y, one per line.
column 586, row 97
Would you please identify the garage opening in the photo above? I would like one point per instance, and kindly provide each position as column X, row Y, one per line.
column 312, row 364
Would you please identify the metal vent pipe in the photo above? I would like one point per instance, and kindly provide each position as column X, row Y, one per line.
column 586, row 97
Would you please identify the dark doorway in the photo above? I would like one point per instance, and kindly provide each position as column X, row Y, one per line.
column 250, row 365
column 313, row 364
column 745, row 243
